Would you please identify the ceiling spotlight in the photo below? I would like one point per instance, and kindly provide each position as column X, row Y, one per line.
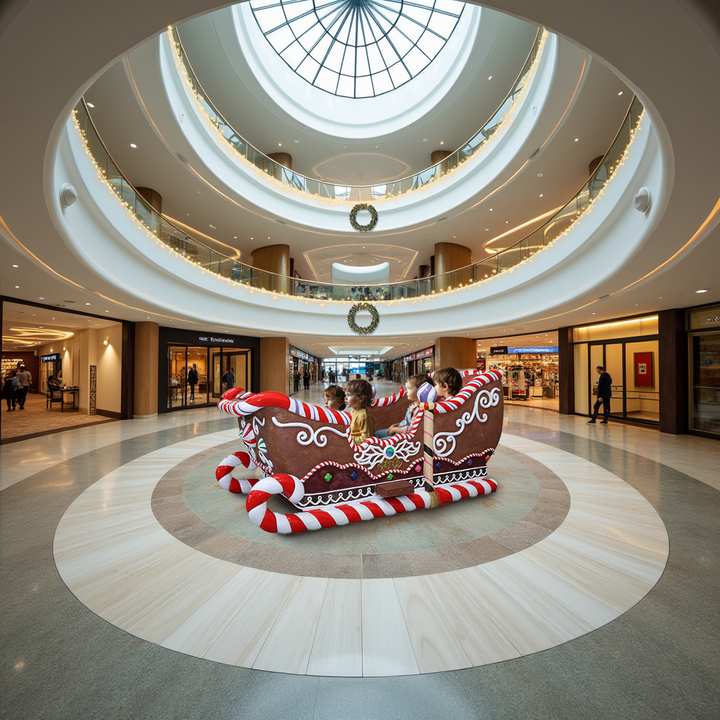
column 133, row 145
column 87, row 303
column 234, row 237
column 540, row 174
column 90, row 105
column 279, row 144
column 17, row 287
column 576, row 139
column 697, row 291
column 442, row 142
column 489, row 77
column 620, row 93
column 426, row 139
column 41, row 298
column 540, row 195
column 212, row 226
column 297, row 142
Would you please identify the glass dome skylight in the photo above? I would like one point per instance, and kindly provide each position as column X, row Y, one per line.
column 357, row 48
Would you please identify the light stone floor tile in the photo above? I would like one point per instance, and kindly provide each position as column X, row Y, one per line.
column 387, row 649
column 197, row 634
column 435, row 644
column 337, row 649
column 289, row 643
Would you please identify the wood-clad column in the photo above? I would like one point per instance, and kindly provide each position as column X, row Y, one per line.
column 274, row 259
column 673, row 364
column 449, row 257
column 460, row 353
column 438, row 156
column 274, row 373
column 282, row 158
column 566, row 371
column 154, row 199
column 147, row 360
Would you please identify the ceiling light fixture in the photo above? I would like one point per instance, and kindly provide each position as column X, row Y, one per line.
column 697, row 291
column 133, row 145
column 489, row 77
column 540, row 195
column 576, row 139
column 620, row 93
column 14, row 265
column 90, row 105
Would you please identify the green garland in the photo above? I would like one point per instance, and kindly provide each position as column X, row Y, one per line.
column 373, row 217
column 372, row 327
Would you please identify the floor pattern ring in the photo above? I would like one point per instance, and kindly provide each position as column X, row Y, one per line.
column 605, row 556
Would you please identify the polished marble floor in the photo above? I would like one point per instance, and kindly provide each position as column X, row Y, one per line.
column 116, row 606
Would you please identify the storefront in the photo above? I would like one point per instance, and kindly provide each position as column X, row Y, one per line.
column 193, row 365
column 704, row 362
column 529, row 372
column 628, row 350
column 302, row 369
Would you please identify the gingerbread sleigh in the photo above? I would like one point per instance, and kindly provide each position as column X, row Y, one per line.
column 308, row 458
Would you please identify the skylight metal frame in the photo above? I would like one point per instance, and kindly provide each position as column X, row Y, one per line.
column 394, row 40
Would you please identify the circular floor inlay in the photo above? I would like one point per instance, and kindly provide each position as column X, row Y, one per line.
column 530, row 503
column 112, row 553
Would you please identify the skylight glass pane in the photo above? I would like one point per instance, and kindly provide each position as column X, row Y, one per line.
column 401, row 35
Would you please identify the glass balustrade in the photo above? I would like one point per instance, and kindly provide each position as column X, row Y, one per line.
column 235, row 271
column 356, row 193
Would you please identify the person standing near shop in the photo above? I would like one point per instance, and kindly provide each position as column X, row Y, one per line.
column 24, row 378
column 192, row 379
column 229, row 379
column 604, row 393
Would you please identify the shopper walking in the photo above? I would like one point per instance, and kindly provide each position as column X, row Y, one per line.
column 604, row 393
column 10, row 390
column 24, row 378
column 192, row 380
column 229, row 379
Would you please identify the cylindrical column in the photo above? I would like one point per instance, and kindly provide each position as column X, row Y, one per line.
column 437, row 155
column 282, row 158
column 457, row 352
column 154, row 200
column 450, row 257
column 274, row 259
column 274, row 353
column 146, row 369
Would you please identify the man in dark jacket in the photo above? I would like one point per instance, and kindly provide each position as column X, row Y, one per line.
column 604, row 393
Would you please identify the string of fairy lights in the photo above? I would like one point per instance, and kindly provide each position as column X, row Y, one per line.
column 355, row 192
column 582, row 215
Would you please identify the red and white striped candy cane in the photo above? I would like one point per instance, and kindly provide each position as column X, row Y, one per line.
column 346, row 513
column 223, row 473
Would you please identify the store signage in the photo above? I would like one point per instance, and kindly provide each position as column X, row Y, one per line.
column 50, row 358
column 300, row 354
column 499, row 350
column 531, row 350
column 409, row 357
column 208, row 338
column 428, row 352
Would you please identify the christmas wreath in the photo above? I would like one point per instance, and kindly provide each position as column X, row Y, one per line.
column 359, row 307
column 373, row 217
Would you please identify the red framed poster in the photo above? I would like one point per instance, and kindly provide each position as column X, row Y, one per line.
column 644, row 369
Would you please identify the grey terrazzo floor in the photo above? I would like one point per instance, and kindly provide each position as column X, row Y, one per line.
column 658, row 660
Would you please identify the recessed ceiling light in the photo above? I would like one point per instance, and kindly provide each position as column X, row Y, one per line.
column 14, row 265
column 107, row 311
column 442, row 142
column 489, row 77
column 41, row 298
column 212, row 226
column 17, row 287
column 87, row 303
column 426, row 139
column 507, row 221
column 487, row 229
column 90, row 105
column 297, row 142
column 197, row 192
column 540, row 195
column 697, row 291
column 620, row 93
column 234, row 237
column 491, row 209
column 133, row 145
column 576, row 139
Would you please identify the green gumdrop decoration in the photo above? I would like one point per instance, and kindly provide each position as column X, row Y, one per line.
column 389, row 477
column 328, row 477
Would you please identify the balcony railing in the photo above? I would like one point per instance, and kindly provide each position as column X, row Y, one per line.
column 357, row 193
column 235, row 271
